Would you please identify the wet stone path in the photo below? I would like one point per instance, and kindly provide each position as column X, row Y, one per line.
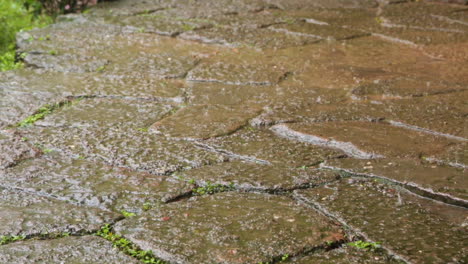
column 246, row 131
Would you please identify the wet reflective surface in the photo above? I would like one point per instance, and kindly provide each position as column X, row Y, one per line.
column 246, row 131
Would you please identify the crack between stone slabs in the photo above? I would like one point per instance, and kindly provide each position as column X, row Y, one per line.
column 351, row 232
column 230, row 154
column 410, row 187
column 425, row 130
column 58, row 235
column 266, row 83
column 451, row 164
column 176, row 99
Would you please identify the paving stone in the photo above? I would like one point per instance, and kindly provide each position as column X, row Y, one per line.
column 129, row 148
column 319, row 31
column 247, row 36
column 444, row 180
column 366, row 140
column 232, row 95
column 250, row 176
column 65, row 63
column 107, row 112
column 444, row 113
column 404, row 88
column 262, row 144
column 13, row 150
column 42, row 83
column 418, row 234
column 92, row 184
column 232, row 69
column 79, row 250
column 28, row 214
column 206, row 121
column 14, row 106
column 229, row 228
column 344, row 255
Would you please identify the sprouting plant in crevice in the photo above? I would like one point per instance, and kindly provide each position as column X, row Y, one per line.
column 127, row 247
column 211, row 188
column 371, row 246
column 10, row 239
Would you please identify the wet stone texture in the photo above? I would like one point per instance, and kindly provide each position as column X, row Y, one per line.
column 79, row 250
column 239, row 131
column 230, row 228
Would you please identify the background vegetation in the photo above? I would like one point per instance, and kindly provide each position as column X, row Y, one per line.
column 19, row 15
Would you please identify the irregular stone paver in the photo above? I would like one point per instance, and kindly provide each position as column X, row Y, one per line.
column 365, row 140
column 79, row 250
column 135, row 149
column 32, row 214
column 205, row 121
column 344, row 256
column 107, row 112
column 249, row 176
column 229, row 228
column 13, row 149
column 432, row 177
column 264, row 145
column 419, row 235
column 41, row 83
column 92, row 184
column 232, row 69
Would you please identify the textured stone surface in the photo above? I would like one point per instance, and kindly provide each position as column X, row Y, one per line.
column 28, row 214
column 87, row 249
column 354, row 107
column 229, row 228
column 92, row 184
column 419, row 233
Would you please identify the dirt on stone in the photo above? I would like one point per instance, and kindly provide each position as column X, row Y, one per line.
column 247, row 131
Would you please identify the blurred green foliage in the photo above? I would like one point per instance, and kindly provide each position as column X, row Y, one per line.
column 15, row 16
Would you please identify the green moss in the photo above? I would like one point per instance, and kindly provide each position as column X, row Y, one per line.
column 10, row 239
column 41, row 113
column 371, row 246
column 126, row 246
column 211, row 188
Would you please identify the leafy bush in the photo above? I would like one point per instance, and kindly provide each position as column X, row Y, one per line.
column 17, row 15
column 54, row 7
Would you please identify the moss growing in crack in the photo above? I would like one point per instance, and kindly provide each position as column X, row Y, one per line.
column 371, row 246
column 126, row 246
column 211, row 188
column 41, row 113
column 10, row 239
column 127, row 214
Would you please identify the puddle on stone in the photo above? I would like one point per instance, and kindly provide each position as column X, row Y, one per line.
column 229, row 228
column 418, row 235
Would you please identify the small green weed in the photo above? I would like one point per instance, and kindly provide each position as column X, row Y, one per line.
column 53, row 52
column 126, row 246
column 9, row 239
column 101, row 68
column 211, row 188
column 371, row 246
column 143, row 129
column 41, row 113
column 127, row 214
